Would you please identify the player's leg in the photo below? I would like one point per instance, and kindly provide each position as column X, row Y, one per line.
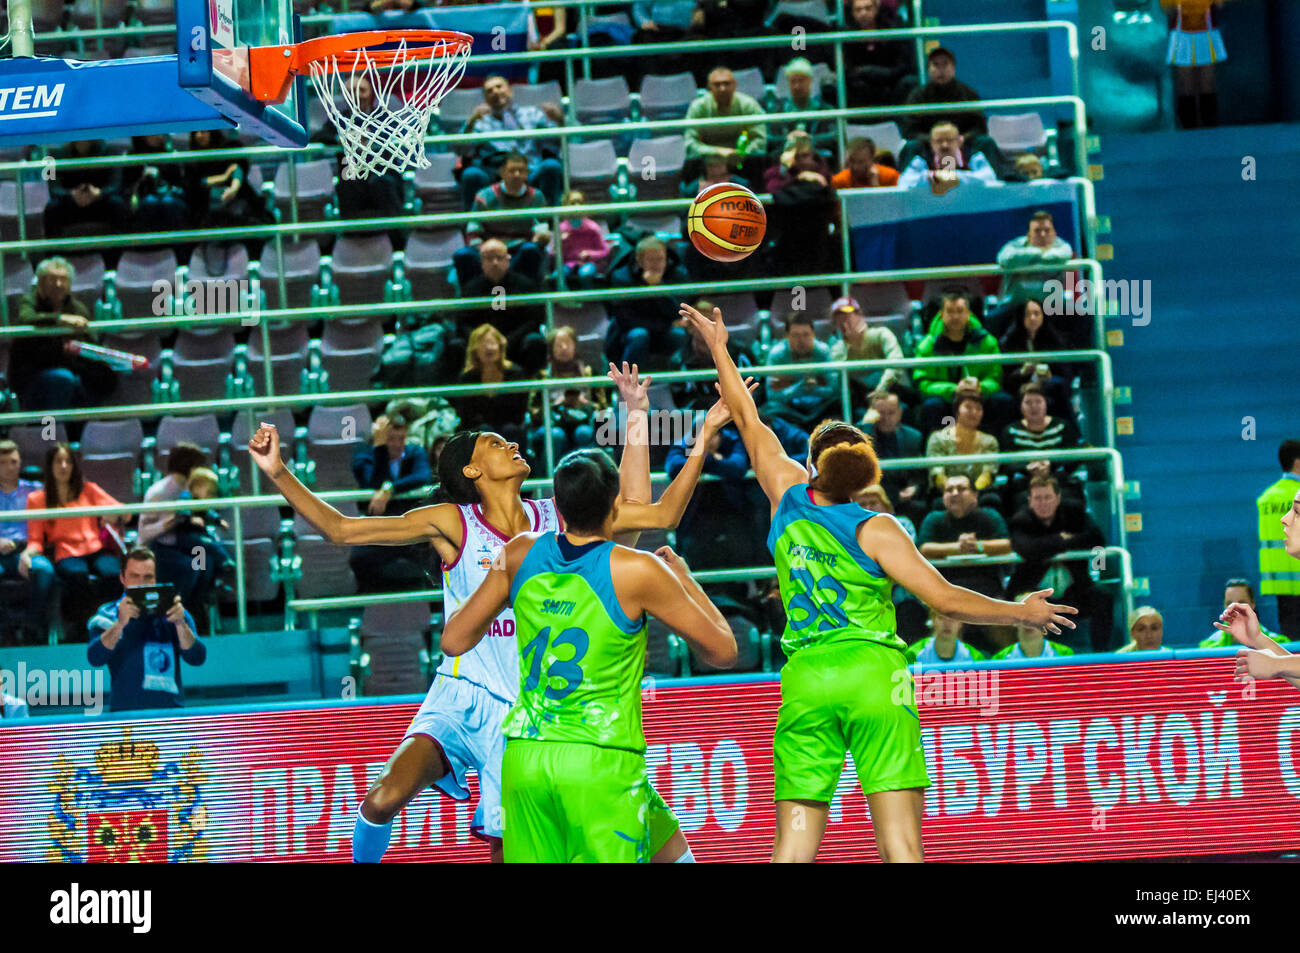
column 533, row 826
column 896, row 820
column 488, row 745
column 417, row 763
column 667, row 842
column 800, row 827
column 807, row 754
column 884, row 734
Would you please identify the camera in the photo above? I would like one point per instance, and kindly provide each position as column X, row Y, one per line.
column 152, row 599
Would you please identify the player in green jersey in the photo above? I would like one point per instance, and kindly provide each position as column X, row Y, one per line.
column 846, row 687
column 573, row 780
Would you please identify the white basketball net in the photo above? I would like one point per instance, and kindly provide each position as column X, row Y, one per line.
column 389, row 138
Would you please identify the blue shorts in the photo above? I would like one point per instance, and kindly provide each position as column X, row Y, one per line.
column 466, row 722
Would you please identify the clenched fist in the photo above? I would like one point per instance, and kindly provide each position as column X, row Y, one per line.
column 264, row 448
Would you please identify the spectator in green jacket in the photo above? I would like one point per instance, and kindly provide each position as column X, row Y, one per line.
column 956, row 332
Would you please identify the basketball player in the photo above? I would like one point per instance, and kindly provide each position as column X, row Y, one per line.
column 573, row 781
column 459, row 724
column 846, row 686
column 1262, row 657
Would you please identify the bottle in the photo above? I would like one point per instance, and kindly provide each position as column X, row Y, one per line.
column 118, row 360
column 742, row 144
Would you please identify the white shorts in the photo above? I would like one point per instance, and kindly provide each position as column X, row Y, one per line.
column 466, row 722
column 1196, row 49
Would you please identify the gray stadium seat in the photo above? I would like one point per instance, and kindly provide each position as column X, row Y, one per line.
column 332, row 441
column 538, row 94
column 315, row 190
column 751, row 83
column 200, row 430
column 88, row 282
column 667, row 97
column 428, row 263
column 455, row 108
column 288, row 357
column 436, row 185
column 886, row 303
column 133, row 281
column 661, row 158
column 136, row 387
column 32, row 445
column 350, row 352
column 201, row 362
column 602, row 100
column 1023, row 132
column 360, row 267
column 593, row 167
column 215, row 267
column 282, row 418
column 301, row 274
column 19, row 279
column 36, row 195
column 884, row 134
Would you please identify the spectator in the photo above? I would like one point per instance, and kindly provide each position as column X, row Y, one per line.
column 525, row 237
column 745, row 146
column 963, row 437
column 1195, row 48
column 1048, row 527
column 943, row 87
column 218, row 190
column 1031, row 333
column 964, row 528
column 802, row 216
column 1031, row 642
column 855, row 340
column 803, row 401
column 806, row 97
column 877, row 72
column 14, row 491
column 499, row 113
column 1029, row 167
column 892, row 439
column 1237, row 590
column 171, row 537
column 646, row 331
column 203, row 531
column 861, row 170
column 956, row 332
column 664, row 21
column 70, row 548
column 583, row 245
column 694, row 355
column 1041, row 246
column 944, row 645
column 1280, row 572
column 1146, row 630
column 941, row 163
column 522, row 324
column 909, row 613
column 1035, row 431
column 390, row 466
column 86, row 201
column 875, row 498
column 41, row 371
column 572, row 410
column 486, row 363
column 551, row 26
column 154, row 195
column 714, row 170
column 143, row 650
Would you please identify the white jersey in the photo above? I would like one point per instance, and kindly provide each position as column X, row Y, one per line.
column 493, row 664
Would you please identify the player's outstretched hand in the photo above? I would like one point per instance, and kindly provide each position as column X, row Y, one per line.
column 1046, row 615
column 719, row 414
column 264, row 448
column 713, row 331
column 1255, row 663
column 1240, row 620
column 633, row 390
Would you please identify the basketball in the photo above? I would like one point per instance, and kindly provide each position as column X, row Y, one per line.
column 726, row 222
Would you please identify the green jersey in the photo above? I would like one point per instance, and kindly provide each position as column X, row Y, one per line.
column 580, row 656
column 831, row 589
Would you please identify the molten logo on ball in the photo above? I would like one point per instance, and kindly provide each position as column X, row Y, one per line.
column 726, row 222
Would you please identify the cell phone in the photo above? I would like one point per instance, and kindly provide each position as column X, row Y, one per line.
column 152, row 599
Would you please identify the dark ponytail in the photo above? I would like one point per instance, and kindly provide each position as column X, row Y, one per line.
column 453, row 485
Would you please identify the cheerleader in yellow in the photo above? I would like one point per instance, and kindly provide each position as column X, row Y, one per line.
column 1195, row 46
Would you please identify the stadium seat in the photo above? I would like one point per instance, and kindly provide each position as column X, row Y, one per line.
column 750, row 81
column 592, row 169
column 1023, row 132
column 200, row 430
column 333, row 436
column 36, row 195
column 32, row 445
column 301, row 274
column 428, row 261
column 330, row 574
column 538, row 94
column 455, row 108
column 237, row 458
column 110, row 455
column 740, row 312
column 110, row 13
column 47, row 15
column 655, row 167
column 201, row 362
column 361, row 267
column 133, row 281
column 88, row 282
column 288, row 357
column 602, row 100
column 215, row 267
column 666, row 227
column 19, row 279
column 392, row 637
column 136, row 387
column 884, row 134
column 315, row 190
column 155, row 11
column 436, row 185
column 817, row 302
column 667, row 97
column 350, row 352
column 259, row 583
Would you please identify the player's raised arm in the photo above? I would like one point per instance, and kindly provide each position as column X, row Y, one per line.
column 473, row 617
column 885, row 541
column 1240, row 621
column 634, row 462
column 661, row 584
column 775, row 471
column 419, row 525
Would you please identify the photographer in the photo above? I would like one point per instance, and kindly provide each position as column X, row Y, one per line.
column 142, row 647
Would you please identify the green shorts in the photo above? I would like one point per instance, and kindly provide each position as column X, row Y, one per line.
column 851, row 696
column 662, row 822
column 566, row 802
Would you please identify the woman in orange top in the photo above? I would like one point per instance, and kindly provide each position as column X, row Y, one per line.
column 1195, row 46
column 70, row 547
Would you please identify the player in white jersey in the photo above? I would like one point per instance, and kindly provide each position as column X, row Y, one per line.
column 459, row 724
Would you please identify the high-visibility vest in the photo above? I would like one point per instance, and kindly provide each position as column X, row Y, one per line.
column 1279, row 573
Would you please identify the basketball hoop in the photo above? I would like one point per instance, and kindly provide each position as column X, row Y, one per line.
column 409, row 72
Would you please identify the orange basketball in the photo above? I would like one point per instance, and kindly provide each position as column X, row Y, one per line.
column 726, row 222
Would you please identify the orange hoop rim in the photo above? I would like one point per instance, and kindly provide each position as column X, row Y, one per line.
column 329, row 52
